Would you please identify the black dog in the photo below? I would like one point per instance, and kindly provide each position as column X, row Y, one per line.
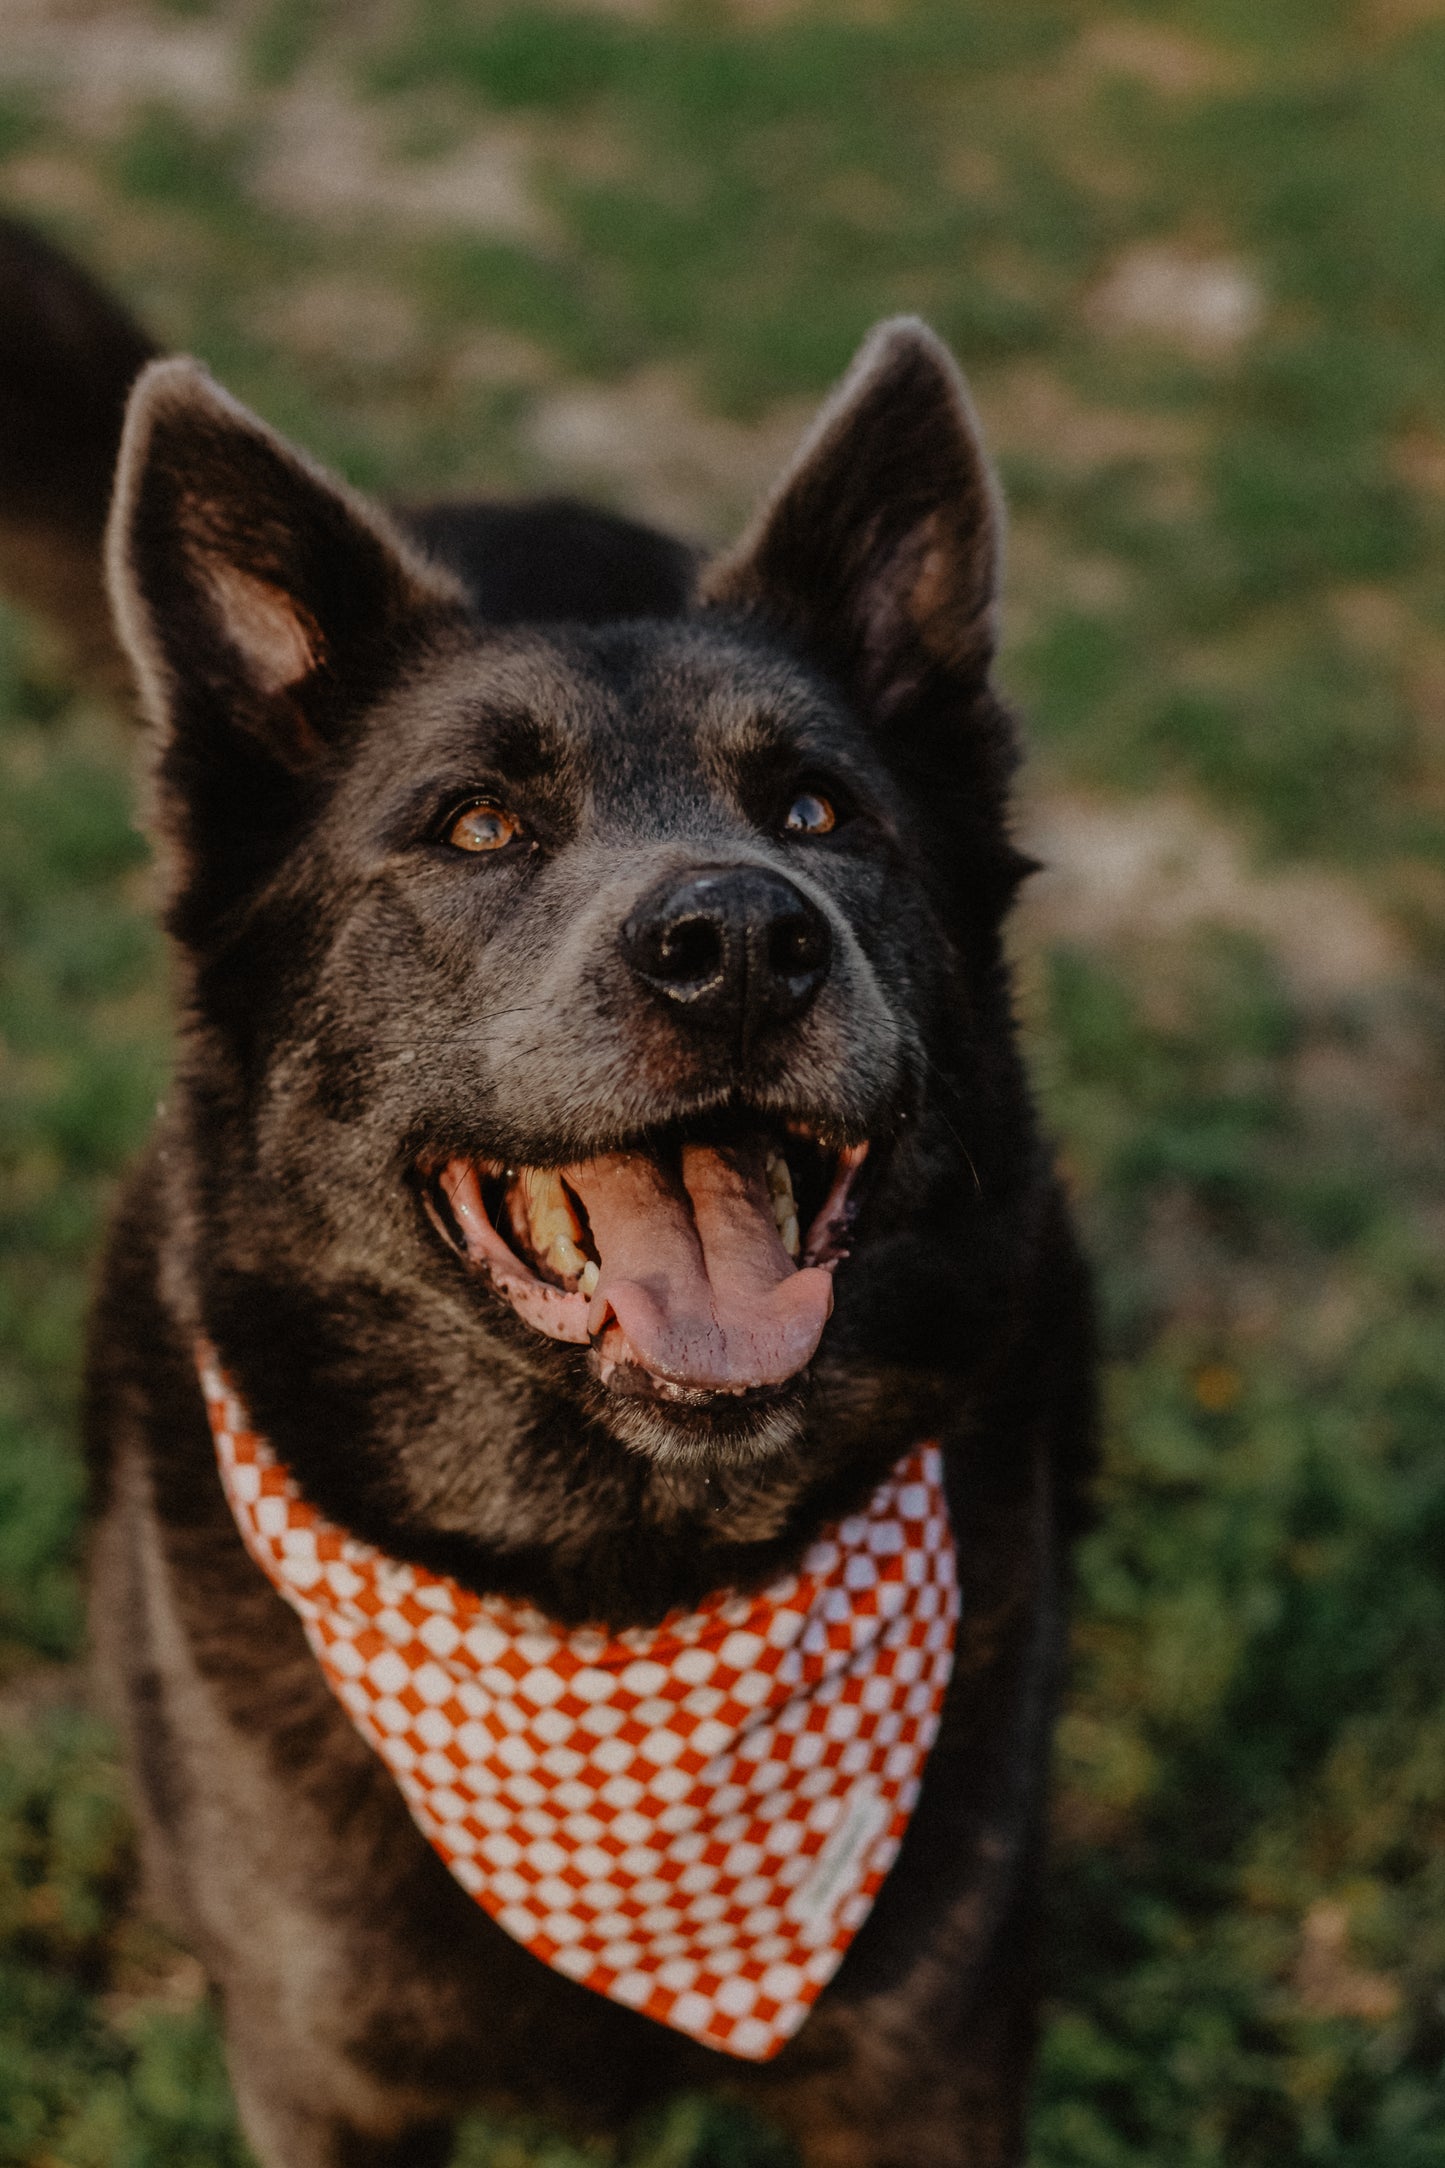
column 543, row 903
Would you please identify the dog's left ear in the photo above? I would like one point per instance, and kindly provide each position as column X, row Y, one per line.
column 878, row 552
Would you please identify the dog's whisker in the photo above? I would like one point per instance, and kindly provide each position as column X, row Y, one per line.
column 941, row 1077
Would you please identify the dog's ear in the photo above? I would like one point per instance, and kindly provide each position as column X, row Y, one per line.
column 878, row 552
column 262, row 605
column 244, row 578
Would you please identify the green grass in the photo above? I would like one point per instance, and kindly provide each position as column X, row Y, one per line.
column 1225, row 584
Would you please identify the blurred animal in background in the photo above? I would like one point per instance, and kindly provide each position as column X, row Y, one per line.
column 591, row 1384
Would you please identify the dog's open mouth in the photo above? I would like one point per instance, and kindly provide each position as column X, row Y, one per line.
column 691, row 1270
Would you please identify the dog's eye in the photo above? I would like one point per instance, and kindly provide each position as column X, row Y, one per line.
column 482, row 826
column 810, row 814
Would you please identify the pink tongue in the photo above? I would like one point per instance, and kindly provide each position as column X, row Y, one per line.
column 694, row 1269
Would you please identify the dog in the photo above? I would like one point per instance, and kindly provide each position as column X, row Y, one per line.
column 598, row 1161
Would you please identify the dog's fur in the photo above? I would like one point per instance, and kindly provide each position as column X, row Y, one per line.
column 358, row 1002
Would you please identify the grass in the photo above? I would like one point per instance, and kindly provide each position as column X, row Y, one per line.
column 1224, row 591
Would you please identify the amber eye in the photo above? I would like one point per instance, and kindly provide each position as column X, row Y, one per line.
column 810, row 815
column 484, row 826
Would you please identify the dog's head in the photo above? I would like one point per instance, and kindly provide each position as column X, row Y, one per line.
column 598, row 1051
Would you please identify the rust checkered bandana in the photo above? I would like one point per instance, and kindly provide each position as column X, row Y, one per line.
column 693, row 1819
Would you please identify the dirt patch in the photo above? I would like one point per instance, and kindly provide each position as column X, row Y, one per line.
column 652, row 445
column 1327, row 1979
column 103, row 62
column 335, row 318
column 1209, row 305
column 1419, row 461
column 1396, row 16
column 1374, row 620
column 1115, row 871
column 48, row 182
column 327, row 157
column 491, row 358
column 1042, row 576
column 322, row 155
column 35, row 1690
column 1032, row 411
column 1166, row 60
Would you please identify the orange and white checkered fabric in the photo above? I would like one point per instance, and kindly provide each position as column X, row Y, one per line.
column 693, row 1819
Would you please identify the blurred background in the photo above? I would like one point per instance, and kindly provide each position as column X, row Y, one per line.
column 1192, row 253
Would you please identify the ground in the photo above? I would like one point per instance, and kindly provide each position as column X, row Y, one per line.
column 1192, row 253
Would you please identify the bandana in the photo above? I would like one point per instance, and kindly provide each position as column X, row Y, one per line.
column 693, row 1819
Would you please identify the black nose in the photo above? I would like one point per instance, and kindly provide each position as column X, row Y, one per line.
column 733, row 949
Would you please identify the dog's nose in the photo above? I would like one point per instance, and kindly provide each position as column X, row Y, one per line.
column 732, row 949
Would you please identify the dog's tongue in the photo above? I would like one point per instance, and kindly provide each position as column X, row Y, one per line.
column 694, row 1270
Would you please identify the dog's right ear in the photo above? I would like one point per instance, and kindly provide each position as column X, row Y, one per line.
column 262, row 604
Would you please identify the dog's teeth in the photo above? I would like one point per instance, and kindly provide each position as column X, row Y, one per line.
column 563, row 1255
column 591, row 1274
column 552, row 1228
column 785, row 1211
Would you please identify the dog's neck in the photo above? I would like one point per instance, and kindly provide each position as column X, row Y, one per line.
column 410, row 1419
